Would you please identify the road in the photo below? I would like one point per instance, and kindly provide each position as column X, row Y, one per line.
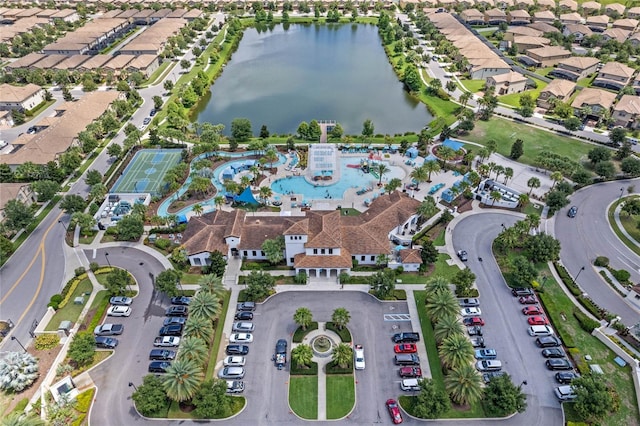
column 588, row 236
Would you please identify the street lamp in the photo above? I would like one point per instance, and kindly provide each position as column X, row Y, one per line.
column 131, row 385
column 524, row 383
column 621, row 192
column 504, row 228
column 579, row 272
column 64, row 226
column 16, row 339
column 106, row 256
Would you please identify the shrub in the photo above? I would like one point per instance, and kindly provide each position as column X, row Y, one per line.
column 567, row 280
column 70, row 290
column 83, row 401
column 399, row 294
column 333, row 368
column 345, row 334
column 300, row 278
column 300, row 333
column 101, row 308
column 586, row 323
column 162, row 243
column 94, row 266
column 55, row 300
column 79, row 271
column 21, row 405
column 622, row 275
column 251, row 266
column 46, row 341
column 601, row 261
column 311, row 371
column 79, row 420
column 592, row 307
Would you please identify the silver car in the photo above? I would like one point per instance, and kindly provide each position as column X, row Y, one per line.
column 233, row 373
column 243, row 326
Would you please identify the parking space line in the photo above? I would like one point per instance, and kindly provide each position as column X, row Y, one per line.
column 397, row 317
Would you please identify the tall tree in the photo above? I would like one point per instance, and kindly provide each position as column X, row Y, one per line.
column 342, row 355
column 303, row 317
column 302, row 355
column 340, row 317
column 533, row 183
column 194, row 349
column 380, row 169
column 501, row 397
column 199, row 328
column 442, row 304
column 182, row 380
column 204, row 305
column 456, row 351
column 274, row 249
column 367, row 129
column 17, row 215
column 447, row 326
column 464, row 384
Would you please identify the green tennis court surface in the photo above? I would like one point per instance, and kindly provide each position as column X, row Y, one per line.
column 145, row 172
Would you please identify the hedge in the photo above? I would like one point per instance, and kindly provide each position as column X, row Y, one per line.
column 592, row 307
column 586, row 323
column 311, row 371
column 83, row 400
column 333, row 368
column 46, row 341
column 344, row 334
column 549, row 306
column 101, row 308
column 300, row 333
column 567, row 280
column 69, row 288
column 601, row 261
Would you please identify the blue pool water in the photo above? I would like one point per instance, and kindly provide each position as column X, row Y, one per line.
column 349, row 178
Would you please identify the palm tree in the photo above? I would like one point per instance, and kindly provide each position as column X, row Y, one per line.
column 427, row 208
column 483, row 153
column 464, row 385
column 182, row 380
column 499, row 170
column 381, row 169
column 492, row 167
column 255, row 172
column 194, row 349
column 508, row 174
column 495, row 196
column 342, row 355
column 212, row 283
column 464, row 98
column 431, row 167
column 533, row 220
column 523, row 200
column 341, row 317
column 21, row 419
column 484, row 170
column 446, row 154
column 204, row 305
column 456, row 351
column 303, row 317
column 200, row 328
column 245, row 181
column 219, row 201
column 446, row 327
column 509, row 238
column 197, row 209
column 442, row 304
column 265, row 192
column 532, row 183
column 555, row 177
column 301, row 355
column 434, row 285
column 271, row 156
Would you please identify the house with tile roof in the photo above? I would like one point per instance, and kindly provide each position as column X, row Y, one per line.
column 578, row 31
column 546, row 16
column 21, row 98
column 626, row 24
column 15, row 191
column 494, row 16
column 575, row 68
column 518, row 17
column 591, row 7
column 614, row 76
column 598, row 23
column 548, row 56
column 570, row 18
column 472, row 17
column 507, row 83
column 596, row 100
column 614, row 9
column 568, row 5
column 617, row 34
column 320, row 243
column 558, row 90
column 626, row 112
column 634, row 12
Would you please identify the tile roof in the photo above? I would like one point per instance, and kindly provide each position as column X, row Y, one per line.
column 9, row 93
column 410, row 256
column 629, row 104
column 580, row 62
column 560, row 88
column 9, row 191
column 302, row 260
column 589, row 96
column 617, row 69
column 591, row 5
column 508, row 77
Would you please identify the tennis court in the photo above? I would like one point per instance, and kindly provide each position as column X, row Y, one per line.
column 145, row 172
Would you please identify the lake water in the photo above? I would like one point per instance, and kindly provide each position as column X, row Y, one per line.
column 281, row 77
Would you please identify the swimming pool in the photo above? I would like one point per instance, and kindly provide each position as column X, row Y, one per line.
column 349, row 178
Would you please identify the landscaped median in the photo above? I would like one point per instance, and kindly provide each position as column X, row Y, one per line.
column 629, row 223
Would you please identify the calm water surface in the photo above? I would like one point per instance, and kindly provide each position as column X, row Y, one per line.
column 282, row 77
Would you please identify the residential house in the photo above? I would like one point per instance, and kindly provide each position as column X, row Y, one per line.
column 559, row 89
column 21, row 98
column 410, row 259
column 626, row 24
column 71, row 63
column 524, row 43
column 616, row 34
column 472, row 17
column 481, row 69
column 545, row 16
column 591, row 7
column 626, row 112
column 636, row 84
column 546, row 4
column 634, row 40
column 66, row 15
column 548, row 56
column 575, row 68
column 512, row 32
column 524, row 4
column 578, row 31
column 570, row 18
column 543, row 27
column 146, row 64
column 595, row 101
column 507, row 83
column 634, row 12
column 564, row 5
column 494, row 17
column 614, row 10
column 598, row 23
column 25, row 62
column 15, row 191
column 518, row 17
column 94, row 62
column 614, row 76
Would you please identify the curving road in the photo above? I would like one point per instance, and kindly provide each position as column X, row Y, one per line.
column 589, row 235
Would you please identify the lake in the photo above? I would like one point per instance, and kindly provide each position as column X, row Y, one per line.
column 281, row 77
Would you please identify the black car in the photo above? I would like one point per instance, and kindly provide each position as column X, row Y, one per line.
column 180, row 300
column 104, row 342
column 548, row 342
column 159, row 366
column 573, row 211
column 406, row 338
column 152, row 112
column 559, row 364
column 553, row 353
column 177, row 311
column 162, row 354
column 237, row 349
column 565, row 377
column 244, row 315
column 462, row 255
column 521, row 291
column 174, row 320
column 171, row 330
column 246, row 306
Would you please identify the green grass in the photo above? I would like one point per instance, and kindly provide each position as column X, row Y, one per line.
column 71, row 311
column 533, row 208
column 217, row 337
column 303, row 396
column 443, row 269
column 513, row 99
column 476, row 410
column 627, row 223
column 89, row 238
column 157, row 73
column 473, row 86
column 586, row 82
column 439, row 240
column 341, row 396
column 190, row 278
column 536, row 141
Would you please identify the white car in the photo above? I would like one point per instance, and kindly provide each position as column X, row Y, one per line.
column 469, row 312
column 358, row 355
column 234, row 361
column 119, row 311
column 241, row 338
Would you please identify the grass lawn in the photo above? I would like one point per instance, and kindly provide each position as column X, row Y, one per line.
column 303, row 396
column 439, row 240
column 217, row 336
column 514, row 98
column 190, row 278
column 536, row 141
column 629, row 223
column 476, row 410
column 443, row 269
column 473, row 86
column 89, row 238
column 71, row 311
column 532, row 208
column 341, row 396
column 586, row 82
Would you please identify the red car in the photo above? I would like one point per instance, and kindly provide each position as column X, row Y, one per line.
column 410, row 372
column 537, row 320
column 532, row 310
column 405, row 348
column 471, row 321
column 394, row 411
column 528, row 300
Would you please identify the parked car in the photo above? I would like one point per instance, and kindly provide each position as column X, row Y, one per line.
column 280, row 355
column 553, row 353
column 475, row 330
column 565, row 393
column 146, row 121
column 152, row 112
column 174, row 321
column 468, row 312
column 537, row 320
column 177, row 311
column 410, row 385
column 405, row 348
column 162, row 355
column 522, row 291
column 234, row 361
column 108, row 330
column 166, row 341
column 472, row 321
column 489, row 365
column 243, row 326
column 241, row 338
column 462, row 255
column 477, row 342
column 465, row 303
column 244, row 316
column 528, row 300
column 486, row 377
column 358, row 356
column 237, row 349
column 558, row 364
column 410, row 372
column 532, row 310
column 231, row 373
column 246, row 306
column 159, row 366
column 406, row 338
column 119, row 311
column 548, row 342
column 180, row 300
column 565, row 377
column 235, row 386
column 394, row 411
column 486, row 354
column 121, row 300
column 104, row 342
column 171, row 330
column 573, row 211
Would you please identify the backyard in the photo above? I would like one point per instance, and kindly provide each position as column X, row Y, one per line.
column 513, row 99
